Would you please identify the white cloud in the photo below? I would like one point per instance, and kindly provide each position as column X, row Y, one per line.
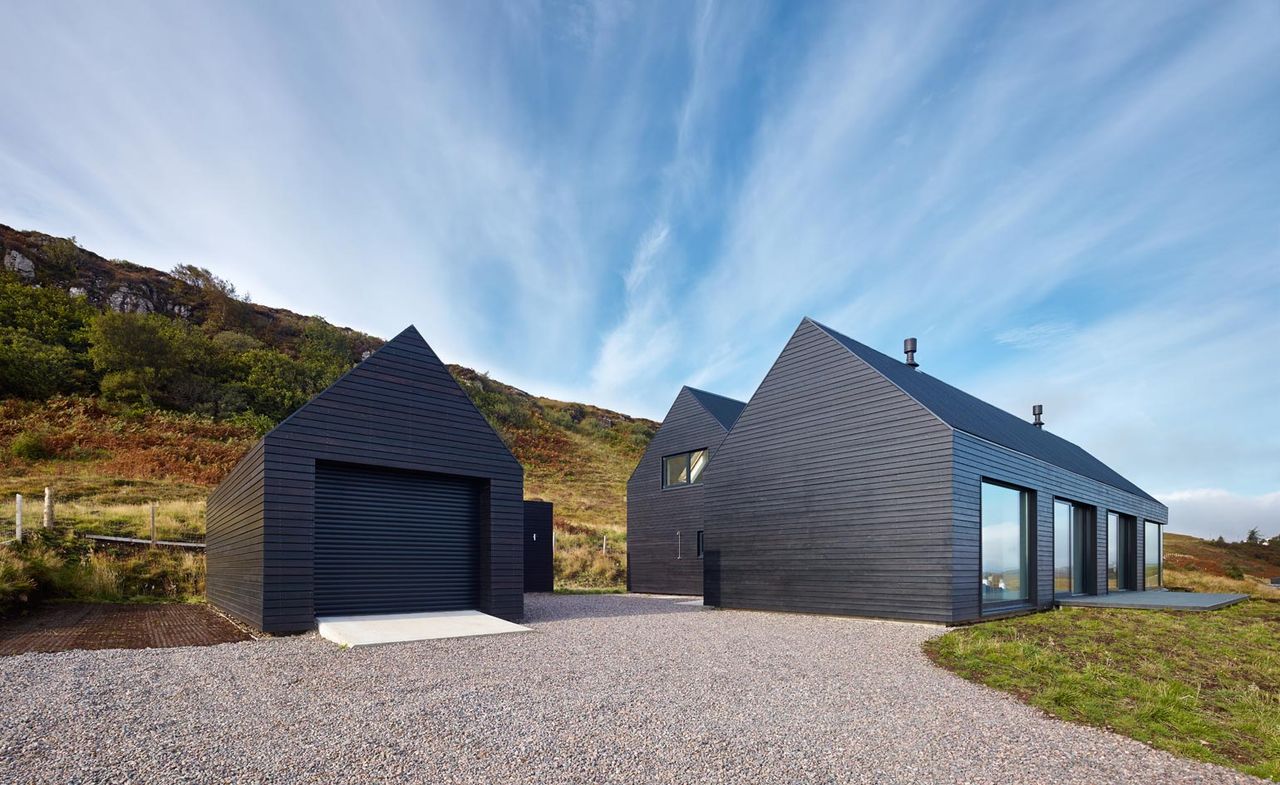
column 1035, row 336
column 1213, row 512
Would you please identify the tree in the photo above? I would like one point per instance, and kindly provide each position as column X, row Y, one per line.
column 132, row 351
column 223, row 306
column 149, row 359
column 46, row 313
column 32, row 369
column 1253, row 537
column 276, row 384
column 326, row 349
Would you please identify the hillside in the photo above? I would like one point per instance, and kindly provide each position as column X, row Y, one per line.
column 1208, row 565
column 121, row 385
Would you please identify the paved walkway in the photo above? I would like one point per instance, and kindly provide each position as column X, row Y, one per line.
column 1156, row 600
column 606, row 689
column 66, row 626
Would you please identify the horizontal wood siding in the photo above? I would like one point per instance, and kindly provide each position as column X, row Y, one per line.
column 832, row 494
column 400, row 409
column 976, row 459
column 663, row 523
column 234, row 541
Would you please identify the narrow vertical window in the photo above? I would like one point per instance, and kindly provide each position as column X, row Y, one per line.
column 699, row 543
column 1006, row 563
column 679, row 555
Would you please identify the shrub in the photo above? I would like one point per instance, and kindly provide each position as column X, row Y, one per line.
column 31, row 446
column 16, row 583
column 57, row 564
column 1234, row 571
column 30, row 368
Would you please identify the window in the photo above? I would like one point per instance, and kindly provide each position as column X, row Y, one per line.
column 699, row 543
column 1121, row 552
column 1006, row 524
column 1154, row 555
column 1073, row 548
column 683, row 469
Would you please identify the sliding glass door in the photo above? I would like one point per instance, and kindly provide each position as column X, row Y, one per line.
column 1062, row 542
column 1122, row 551
column 1154, row 553
column 1073, row 548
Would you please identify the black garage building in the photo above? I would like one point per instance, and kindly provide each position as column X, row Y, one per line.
column 389, row 492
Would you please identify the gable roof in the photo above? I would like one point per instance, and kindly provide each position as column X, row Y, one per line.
column 974, row 416
column 725, row 410
column 425, row 392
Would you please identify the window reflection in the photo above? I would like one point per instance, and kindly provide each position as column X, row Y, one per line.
column 1005, row 563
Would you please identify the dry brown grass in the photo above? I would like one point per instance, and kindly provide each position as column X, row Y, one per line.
column 106, row 465
column 86, row 438
column 1206, row 582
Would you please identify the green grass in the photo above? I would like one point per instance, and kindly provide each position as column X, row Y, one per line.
column 55, row 564
column 591, row 590
column 1204, row 685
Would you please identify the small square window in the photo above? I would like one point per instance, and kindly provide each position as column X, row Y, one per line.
column 683, row 468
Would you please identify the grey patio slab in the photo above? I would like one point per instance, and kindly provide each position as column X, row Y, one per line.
column 1156, row 600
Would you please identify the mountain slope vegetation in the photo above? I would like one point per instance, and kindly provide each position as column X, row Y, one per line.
column 121, row 385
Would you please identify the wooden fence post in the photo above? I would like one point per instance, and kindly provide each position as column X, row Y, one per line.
column 604, row 543
column 17, row 516
column 153, row 524
column 48, row 507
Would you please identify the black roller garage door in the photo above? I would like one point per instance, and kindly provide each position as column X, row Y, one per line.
column 393, row 542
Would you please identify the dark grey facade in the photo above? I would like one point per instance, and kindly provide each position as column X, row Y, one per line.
column 387, row 492
column 539, row 559
column 852, row 484
column 664, row 523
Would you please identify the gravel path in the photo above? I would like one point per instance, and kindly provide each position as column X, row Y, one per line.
column 608, row 689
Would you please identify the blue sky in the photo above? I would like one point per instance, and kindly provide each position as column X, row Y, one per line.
column 1076, row 204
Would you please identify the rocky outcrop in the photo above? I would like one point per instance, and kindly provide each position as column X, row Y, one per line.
column 114, row 284
column 127, row 300
column 15, row 262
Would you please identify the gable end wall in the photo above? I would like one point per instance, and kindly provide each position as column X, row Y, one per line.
column 832, row 494
column 655, row 563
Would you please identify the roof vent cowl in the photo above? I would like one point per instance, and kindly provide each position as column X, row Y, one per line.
column 909, row 348
column 1036, row 411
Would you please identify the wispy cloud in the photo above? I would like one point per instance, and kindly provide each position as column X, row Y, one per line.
column 1035, row 336
column 1070, row 204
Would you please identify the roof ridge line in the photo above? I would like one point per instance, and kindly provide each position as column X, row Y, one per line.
column 827, row 331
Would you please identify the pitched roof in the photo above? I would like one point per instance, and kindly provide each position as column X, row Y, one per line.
column 725, row 410
column 964, row 412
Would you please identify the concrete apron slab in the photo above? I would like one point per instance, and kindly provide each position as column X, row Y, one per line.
column 403, row 627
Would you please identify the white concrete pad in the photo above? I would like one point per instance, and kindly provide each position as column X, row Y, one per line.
column 401, row 627
column 691, row 602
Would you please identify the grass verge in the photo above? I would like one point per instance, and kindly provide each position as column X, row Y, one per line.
column 1203, row 685
column 55, row 564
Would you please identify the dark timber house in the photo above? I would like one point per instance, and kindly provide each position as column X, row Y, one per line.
column 665, row 494
column 854, row 483
column 386, row 493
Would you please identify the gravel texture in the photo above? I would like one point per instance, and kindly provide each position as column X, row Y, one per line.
column 607, row 689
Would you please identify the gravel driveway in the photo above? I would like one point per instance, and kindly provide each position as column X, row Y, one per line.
column 607, row 689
